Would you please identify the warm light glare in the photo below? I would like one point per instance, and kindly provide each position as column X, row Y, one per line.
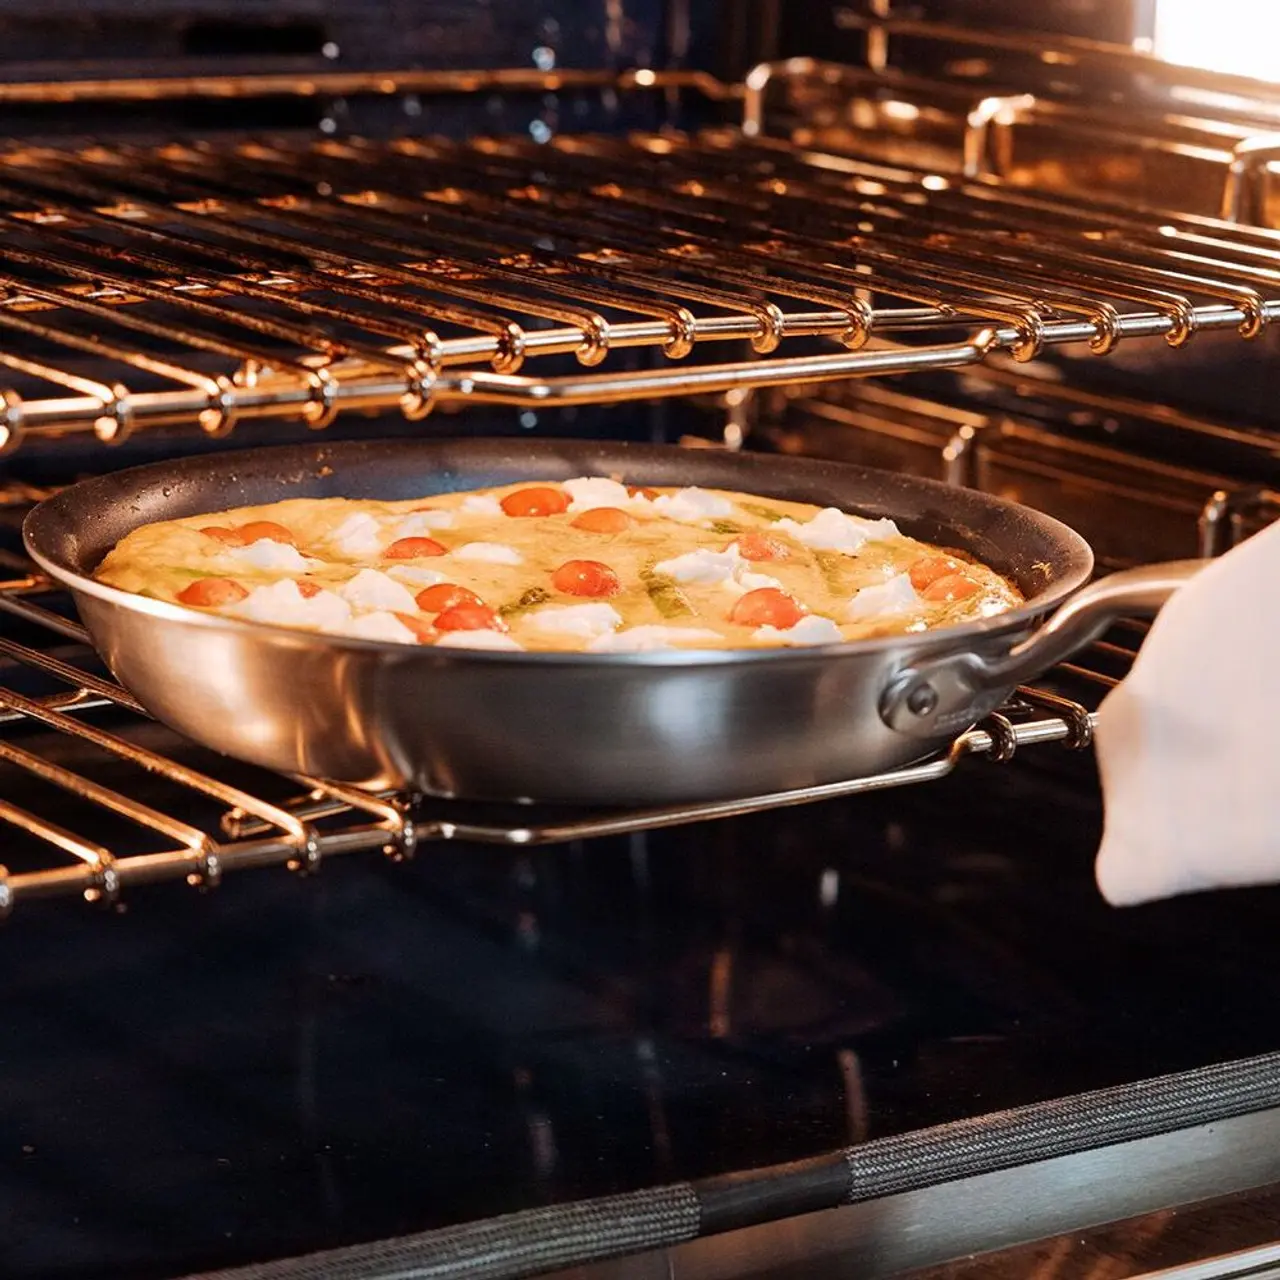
column 1241, row 37
column 896, row 110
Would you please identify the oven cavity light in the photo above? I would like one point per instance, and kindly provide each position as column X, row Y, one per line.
column 645, row 78
column 1238, row 37
column 934, row 182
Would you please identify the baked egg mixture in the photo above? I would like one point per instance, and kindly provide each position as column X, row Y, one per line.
column 587, row 565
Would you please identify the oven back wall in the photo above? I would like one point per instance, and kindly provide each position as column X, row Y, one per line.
column 350, row 33
column 63, row 40
column 825, row 25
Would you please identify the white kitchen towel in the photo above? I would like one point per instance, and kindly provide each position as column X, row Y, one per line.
column 1189, row 744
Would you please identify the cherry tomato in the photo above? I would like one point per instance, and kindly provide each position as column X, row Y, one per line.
column 586, row 578
column 762, row 546
column 603, row 520
column 444, row 595
column 767, row 607
column 470, row 617
column 220, row 533
column 247, row 534
column 414, row 548
column 260, row 530
column 212, row 593
column 307, row 588
column 539, row 501
column 423, row 631
column 929, row 569
column 638, row 491
column 955, row 586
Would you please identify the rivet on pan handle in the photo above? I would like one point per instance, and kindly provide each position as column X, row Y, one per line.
column 948, row 693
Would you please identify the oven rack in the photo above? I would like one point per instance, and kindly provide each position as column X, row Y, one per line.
column 1065, row 58
column 63, row 740
column 297, row 277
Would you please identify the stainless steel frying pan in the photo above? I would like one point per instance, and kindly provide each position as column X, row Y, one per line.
column 649, row 727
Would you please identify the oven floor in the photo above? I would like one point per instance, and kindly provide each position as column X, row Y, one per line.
column 286, row 1065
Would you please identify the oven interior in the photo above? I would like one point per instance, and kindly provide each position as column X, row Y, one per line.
column 1003, row 248
column 965, row 266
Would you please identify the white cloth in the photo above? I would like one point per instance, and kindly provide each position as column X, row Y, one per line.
column 1189, row 744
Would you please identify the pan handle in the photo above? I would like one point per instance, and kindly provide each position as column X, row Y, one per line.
column 948, row 693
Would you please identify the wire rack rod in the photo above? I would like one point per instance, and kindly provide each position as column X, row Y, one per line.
column 30, row 87
column 320, row 819
column 303, row 278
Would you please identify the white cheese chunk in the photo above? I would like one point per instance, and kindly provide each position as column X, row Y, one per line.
column 744, row 580
column 588, row 492
column 492, row 552
column 885, row 599
column 375, row 626
column 584, row 620
column 370, row 591
column 749, row 581
column 283, row 604
column 701, row 566
column 691, row 505
column 419, row 523
column 416, row 575
column 274, row 557
column 358, row 537
column 832, row 530
column 646, row 639
column 809, row 630
column 481, row 504
column 483, row 638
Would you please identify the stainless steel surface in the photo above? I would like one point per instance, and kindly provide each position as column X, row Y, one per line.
column 1231, row 1235
column 979, row 1215
column 939, row 693
column 334, row 820
column 1261, row 1263
column 587, row 728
